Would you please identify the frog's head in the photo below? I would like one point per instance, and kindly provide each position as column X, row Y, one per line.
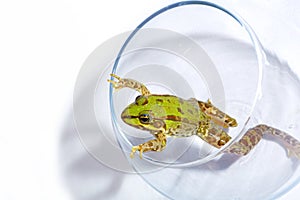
column 144, row 114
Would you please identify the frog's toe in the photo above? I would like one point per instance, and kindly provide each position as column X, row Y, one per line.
column 133, row 150
column 132, row 155
column 112, row 82
column 294, row 153
column 115, row 76
column 141, row 154
column 115, row 84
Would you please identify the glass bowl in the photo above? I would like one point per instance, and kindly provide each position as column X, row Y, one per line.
column 196, row 49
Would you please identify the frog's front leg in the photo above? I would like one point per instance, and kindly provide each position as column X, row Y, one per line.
column 157, row 144
column 129, row 83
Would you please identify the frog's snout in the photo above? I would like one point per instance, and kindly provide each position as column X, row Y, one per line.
column 125, row 115
column 128, row 117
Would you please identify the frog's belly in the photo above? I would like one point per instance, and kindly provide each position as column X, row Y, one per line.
column 184, row 130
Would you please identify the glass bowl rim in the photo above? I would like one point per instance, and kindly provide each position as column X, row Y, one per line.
column 259, row 54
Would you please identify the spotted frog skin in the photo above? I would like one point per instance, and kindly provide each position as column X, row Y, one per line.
column 167, row 115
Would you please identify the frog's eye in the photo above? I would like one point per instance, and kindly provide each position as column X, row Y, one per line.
column 141, row 100
column 137, row 98
column 144, row 118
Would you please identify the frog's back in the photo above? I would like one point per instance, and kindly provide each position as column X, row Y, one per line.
column 185, row 111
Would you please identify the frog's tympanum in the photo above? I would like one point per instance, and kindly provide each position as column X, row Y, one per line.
column 168, row 115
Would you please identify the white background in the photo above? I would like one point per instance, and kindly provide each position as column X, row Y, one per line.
column 42, row 46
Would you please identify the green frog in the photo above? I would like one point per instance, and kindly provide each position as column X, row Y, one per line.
column 170, row 116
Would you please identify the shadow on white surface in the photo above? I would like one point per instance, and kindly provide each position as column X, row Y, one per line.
column 88, row 179
column 85, row 177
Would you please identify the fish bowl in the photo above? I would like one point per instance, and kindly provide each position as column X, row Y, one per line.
column 200, row 50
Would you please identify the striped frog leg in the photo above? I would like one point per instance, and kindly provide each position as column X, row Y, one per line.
column 129, row 83
column 217, row 116
column 254, row 135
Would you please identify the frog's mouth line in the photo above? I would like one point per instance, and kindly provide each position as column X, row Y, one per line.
column 168, row 117
column 129, row 117
column 134, row 125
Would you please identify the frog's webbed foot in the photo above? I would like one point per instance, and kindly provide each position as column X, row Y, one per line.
column 293, row 152
column 217, row 116
column 157, row 144
column 120, row 83
column 291, row 144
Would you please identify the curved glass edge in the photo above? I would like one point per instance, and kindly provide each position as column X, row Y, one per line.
column 259, row 54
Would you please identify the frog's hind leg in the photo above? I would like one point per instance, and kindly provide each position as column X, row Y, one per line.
column 212, row 134
column 157, row 144
column 254, row 135
column 247, row 142
column 217, row 116
column 129, row 83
